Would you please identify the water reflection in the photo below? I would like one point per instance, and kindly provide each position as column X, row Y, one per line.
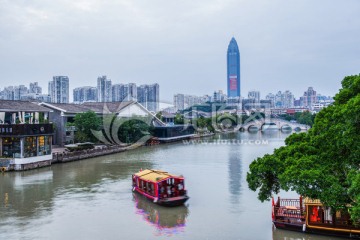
column 235, row 176
column 29, row 195
column 167, row 221
column 279, row 234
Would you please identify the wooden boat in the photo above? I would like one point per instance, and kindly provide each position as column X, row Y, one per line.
column 311, row 216
column 160, row 187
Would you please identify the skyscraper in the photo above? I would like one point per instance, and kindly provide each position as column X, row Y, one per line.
column 85, row 94
column 35, row 88
column 148, row 96
column 59, row 89
column 104, row 89
column 233, row 69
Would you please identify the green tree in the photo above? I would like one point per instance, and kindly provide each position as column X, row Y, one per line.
column 84, row 123
column 322, row 163
column 179, row 119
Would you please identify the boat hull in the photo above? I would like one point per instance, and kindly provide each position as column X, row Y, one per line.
column 288, row 226
column 311, row 230
column 167, row 202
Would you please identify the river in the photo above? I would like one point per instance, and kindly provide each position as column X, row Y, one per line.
column 92, row 199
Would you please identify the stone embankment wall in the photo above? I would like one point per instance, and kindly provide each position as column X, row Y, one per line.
column 89, row 153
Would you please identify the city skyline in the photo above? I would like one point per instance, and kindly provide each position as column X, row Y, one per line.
column 282, row 44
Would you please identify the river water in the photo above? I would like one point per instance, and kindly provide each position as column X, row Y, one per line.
column 92, row 199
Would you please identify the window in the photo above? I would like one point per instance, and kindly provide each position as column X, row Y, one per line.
column 11, row 147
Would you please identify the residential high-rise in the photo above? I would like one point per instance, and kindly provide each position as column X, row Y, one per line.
column 219, row 96
column 233, row 69
column 104, row 89
column 85, row 94
column 59, row 89
column 129, row 92
column 254, row 95
column 35, row 88
column 117, row 92
column 309, row 98
column 288, row 99
column 19, row 91
column 148, row 96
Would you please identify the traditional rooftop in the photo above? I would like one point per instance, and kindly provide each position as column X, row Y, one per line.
column 21, row 106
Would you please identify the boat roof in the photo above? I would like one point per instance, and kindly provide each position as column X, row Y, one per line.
column 154, row 175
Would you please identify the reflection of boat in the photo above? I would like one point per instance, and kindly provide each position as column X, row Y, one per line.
column 164, row 219
column 312, row 217
column 160, row 187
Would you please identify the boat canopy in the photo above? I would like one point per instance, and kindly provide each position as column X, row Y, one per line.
column 154, row 175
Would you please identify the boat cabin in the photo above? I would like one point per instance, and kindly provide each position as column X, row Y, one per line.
column 160, row 186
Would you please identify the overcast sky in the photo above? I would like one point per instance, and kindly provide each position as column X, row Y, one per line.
column 284, row 44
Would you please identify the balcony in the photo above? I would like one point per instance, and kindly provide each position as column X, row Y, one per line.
column 8, row 130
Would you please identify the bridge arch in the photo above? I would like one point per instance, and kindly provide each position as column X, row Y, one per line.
column 286, row 127
column 269, row 126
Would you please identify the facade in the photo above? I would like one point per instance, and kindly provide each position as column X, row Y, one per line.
column 59, row 89
column 25, row 135
column 183, row 101
column 219, row 96
column 19, row 91
column 309, row 98
column 35, row 88
column 233, row 69
column 254, row 95
column 129, row 92
column 85, row 94
column 148, row 96
column 36, row 97
column 117, row 92
column 104, row 90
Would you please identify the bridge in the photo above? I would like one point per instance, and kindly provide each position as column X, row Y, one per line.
column 272, row 124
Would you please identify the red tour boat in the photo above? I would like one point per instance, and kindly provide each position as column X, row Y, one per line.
column 311, row 216
column 160, row 187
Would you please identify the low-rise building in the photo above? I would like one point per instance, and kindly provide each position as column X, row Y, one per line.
column 25, row 135
column 63, row 113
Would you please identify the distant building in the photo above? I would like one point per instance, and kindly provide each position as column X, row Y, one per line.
column 59, row 89
column 19, row 91
column 36, row 97
column 288, row 99
column 130, row 92
column 183, row 101
column 233, row 69
column 148, row 96
column 117, row 92
column 35, row 88
column 104, row 89
column 85, row 94
column 254, row 95
column 219, row 96
column 309, row 98
column 271, row 98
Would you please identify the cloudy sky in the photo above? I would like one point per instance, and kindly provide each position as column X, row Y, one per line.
column 284, row 44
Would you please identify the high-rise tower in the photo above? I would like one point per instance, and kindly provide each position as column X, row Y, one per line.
column 233, row 69
column 59, row 89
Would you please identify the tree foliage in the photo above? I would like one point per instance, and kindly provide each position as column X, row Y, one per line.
column 84, row 123
column 322, row 163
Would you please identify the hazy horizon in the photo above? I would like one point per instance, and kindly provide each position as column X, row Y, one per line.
column 181, row 45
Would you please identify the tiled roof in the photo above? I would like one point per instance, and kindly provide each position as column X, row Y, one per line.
column 21, row 106
column 98, row 107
